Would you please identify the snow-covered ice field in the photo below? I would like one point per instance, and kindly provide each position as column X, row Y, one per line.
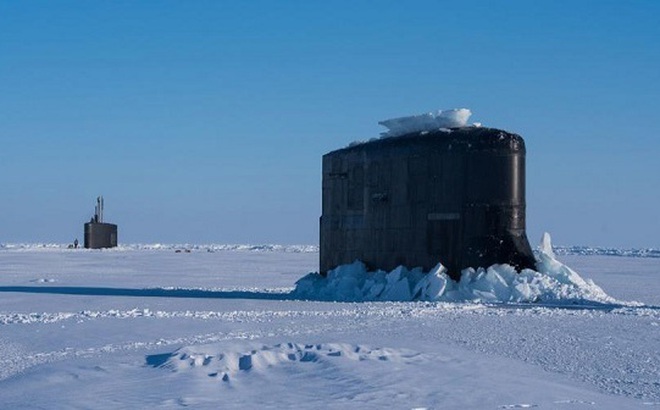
column 152, row 328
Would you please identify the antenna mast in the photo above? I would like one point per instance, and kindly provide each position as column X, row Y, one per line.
column 98, row 210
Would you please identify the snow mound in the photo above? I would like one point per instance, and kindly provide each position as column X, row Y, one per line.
column 552, row 282
column 43, row 280
column 426, row 122
column 228, row 364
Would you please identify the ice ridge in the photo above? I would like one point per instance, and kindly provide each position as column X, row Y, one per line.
column 551, row 283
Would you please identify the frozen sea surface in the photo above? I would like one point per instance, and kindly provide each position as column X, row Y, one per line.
column 151, row 328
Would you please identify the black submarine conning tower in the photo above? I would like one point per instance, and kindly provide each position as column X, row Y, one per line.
column 455, row 196
column 99, row 234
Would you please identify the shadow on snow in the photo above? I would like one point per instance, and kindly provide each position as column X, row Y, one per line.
column 240, row 294
column 150, row 292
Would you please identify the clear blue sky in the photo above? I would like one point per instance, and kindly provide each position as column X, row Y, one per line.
column 205, row 121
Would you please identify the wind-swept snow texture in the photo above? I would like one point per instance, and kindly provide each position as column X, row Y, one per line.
column 551, row 282
column 156, row 328
column 426, row 122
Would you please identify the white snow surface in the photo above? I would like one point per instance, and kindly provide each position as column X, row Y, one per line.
column 552, row 282
column 155, row 328
column 430, row 121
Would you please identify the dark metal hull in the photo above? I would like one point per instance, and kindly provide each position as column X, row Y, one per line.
column 457, row 198
column 100, row 235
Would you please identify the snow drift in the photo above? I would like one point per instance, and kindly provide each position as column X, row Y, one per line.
column 551, row 282
column 228, row 364
column 426, row 122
